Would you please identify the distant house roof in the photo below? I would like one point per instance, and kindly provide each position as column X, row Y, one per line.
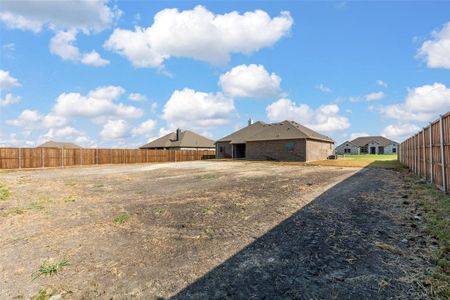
column 347, row 142
column 285, row 130
column 53, row 144
column 364, row 140
column 187, row 139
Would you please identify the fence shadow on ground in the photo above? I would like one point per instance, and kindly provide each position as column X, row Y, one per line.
column 323, row 251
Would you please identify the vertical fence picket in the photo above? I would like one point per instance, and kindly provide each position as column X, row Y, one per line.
column 435, row 155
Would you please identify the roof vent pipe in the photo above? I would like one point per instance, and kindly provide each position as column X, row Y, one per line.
column 178, row 137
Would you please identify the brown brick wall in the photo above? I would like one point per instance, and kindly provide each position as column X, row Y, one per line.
column 316, row 150
column 227, row 150
column 264, row 150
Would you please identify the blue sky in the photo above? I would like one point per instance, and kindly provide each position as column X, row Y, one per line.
column 84, row 72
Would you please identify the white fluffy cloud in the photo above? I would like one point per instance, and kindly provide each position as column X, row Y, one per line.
column 200, row 34
column 9, row 99
column 137, row 97
column 94, row 59
column 436, row 51
column 145, row 129
column 98, row 105
column 400, row 132
column 374, row 96
column 62, row 44
column 32, row 120
column 191, row 109
column 67, row 133
column 285, row 109
column 250, row 81
column 326, row 118
column 86, row 15
column 421, row 104
column 115, row 129
column 7, row 81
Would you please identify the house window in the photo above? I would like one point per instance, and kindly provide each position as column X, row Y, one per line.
column 347, row 150
column 364, row 149
column 394, row 150
column 221, row 149
column 289, row 147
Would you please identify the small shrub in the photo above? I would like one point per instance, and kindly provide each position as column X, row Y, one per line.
column 159, row 211
column 49, row 268
column 4, row 192
column 121, row 219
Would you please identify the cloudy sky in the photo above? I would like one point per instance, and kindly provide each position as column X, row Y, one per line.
column 117, row 74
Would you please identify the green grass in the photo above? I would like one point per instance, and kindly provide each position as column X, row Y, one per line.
column 159, row 210
column 121, row 219
column 13, row 212
column 437, row 220
column 4, row 192
column 70, row 199
column 41, row 202
column 374, row 157
column 49, row 268
column 208, row 210
column 206, row 176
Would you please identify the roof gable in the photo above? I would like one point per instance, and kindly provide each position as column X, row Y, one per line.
column 188, row 139
column 242, row 135
column 260, row 131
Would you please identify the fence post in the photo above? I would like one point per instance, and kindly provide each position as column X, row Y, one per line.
column 42, row 157
column 81, row 156
column 424, row 155
column 414, row 155
column 441, row 129
column 20, row 158
column 417, row 154
column 62, row 157
column 431, row 153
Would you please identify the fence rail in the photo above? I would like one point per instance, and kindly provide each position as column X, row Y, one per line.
column 18, row 158
column 427, row 153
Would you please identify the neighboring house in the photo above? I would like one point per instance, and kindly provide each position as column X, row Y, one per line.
column 368, row 145
column 284, row 141
column 53, row 144
column 181, row 140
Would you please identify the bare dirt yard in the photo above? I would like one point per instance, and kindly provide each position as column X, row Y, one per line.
column 211, row 229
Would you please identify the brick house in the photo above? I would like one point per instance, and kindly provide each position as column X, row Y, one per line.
column 368, row 145
column 181, row 140
column 284, row 141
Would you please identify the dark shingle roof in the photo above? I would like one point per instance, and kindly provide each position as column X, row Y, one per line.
column 364, row 140
column 53, row 144
column 242, row 135
column 287, row 130
column 188, row 139
column 260, row 131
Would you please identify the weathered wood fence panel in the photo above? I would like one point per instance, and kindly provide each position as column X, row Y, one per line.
column 427, row 153
column 18, row 158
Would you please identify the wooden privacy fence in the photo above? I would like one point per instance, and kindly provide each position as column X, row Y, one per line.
column 18, row 158
column 427, row 153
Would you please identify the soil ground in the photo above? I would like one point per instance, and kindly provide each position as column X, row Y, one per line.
column 212, row 229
